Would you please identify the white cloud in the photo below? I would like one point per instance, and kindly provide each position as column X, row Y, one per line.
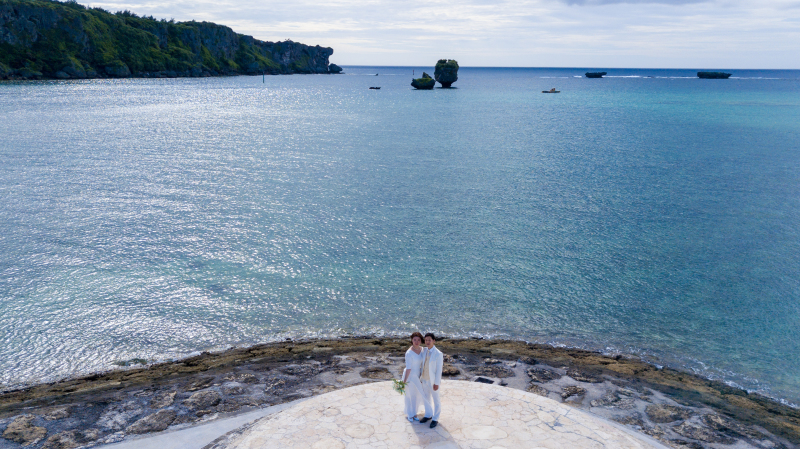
column 574, row 33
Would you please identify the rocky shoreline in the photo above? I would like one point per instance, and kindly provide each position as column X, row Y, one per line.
column 677, row 408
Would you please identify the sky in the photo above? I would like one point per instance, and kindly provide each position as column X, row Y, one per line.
column 696, row 34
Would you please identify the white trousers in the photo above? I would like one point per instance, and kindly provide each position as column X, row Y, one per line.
column 431, row 396
column 414, row 395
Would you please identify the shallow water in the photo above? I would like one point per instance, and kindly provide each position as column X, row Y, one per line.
column 154, row 218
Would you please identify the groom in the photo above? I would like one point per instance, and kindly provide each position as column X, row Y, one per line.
column 431, row 378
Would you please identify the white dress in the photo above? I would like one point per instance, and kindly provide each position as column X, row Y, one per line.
column 414, row 397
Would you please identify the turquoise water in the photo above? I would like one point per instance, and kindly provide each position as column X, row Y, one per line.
column 156, row 218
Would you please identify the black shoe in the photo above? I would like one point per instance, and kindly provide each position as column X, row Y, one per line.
column 434, row 424
column 424, row 420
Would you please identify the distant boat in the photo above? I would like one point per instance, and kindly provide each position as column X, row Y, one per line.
column 376, row 88
column 551, row 91
column 595, row 74
column 713, row 75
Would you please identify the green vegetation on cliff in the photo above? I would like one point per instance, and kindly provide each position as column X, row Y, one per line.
column 47, row 38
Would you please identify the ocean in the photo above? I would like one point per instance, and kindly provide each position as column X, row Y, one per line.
column 648, row 213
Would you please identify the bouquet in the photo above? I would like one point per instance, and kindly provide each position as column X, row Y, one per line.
column 399, row 386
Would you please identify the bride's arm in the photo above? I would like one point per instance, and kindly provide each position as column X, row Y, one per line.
column 408, row 364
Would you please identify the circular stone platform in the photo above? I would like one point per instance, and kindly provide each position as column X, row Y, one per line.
column 474, row 415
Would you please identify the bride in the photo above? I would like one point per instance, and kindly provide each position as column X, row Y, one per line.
column 414, row 359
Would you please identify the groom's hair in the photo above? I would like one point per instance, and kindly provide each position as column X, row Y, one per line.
column 430, row 334
column 417, row 334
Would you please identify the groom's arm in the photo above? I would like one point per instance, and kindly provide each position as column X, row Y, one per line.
column 438, row 380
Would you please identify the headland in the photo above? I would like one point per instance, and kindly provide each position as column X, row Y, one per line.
column 676, row 408
column 47, row 39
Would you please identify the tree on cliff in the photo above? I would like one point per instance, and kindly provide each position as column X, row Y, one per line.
column 47, row 38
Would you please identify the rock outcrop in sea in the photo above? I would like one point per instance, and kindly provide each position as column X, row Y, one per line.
column 596, row 74
column 333, row 68
column 426, row 82
column 446, row 72
column 713, row 75
column 51, row 39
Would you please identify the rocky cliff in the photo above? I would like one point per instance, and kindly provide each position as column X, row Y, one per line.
column 51, row 39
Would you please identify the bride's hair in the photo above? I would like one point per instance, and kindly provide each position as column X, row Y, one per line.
column 416, row 334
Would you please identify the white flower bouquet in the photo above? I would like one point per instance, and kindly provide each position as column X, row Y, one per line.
column 399, row 386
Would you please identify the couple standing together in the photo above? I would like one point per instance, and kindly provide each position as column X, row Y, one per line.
column 423, row 376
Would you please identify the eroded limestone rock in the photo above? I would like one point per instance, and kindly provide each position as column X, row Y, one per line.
column 376, row 372
column 446, row 72
column 572, row 390
column 164, row 399
column 117, row 416
column 542, row 375
column 449, row 370
column 71, row 439
column 583, row 377
column 696, row 432
column 425, row 83
column 724, row 424
column 663, row 413
column 536, row 389
column 203, row 400
column 23, row 431
column 153, row 423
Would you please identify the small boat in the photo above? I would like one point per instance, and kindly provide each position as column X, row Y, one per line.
column 551, row 91
column 376, row 88
column 595, row 74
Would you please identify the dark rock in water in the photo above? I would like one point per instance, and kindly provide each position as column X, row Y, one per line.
column 493, row 371
column 446, row 72
column 663, row 413
column 542, row 375
column 536, row 389
column 118, row 69
column 572, row 390
column 595, row 74
column 583, row 377
column 153, row 423
column 713, row 75
column 333, row 68
column 484, row 380
column 426, row 82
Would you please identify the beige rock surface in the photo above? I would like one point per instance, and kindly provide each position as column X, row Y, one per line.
column 474, row 415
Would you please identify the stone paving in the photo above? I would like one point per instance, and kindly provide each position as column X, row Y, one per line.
column 474, row 415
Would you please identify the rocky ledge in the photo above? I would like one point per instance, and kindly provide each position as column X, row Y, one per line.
column 713, row 75
column 681, row 410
